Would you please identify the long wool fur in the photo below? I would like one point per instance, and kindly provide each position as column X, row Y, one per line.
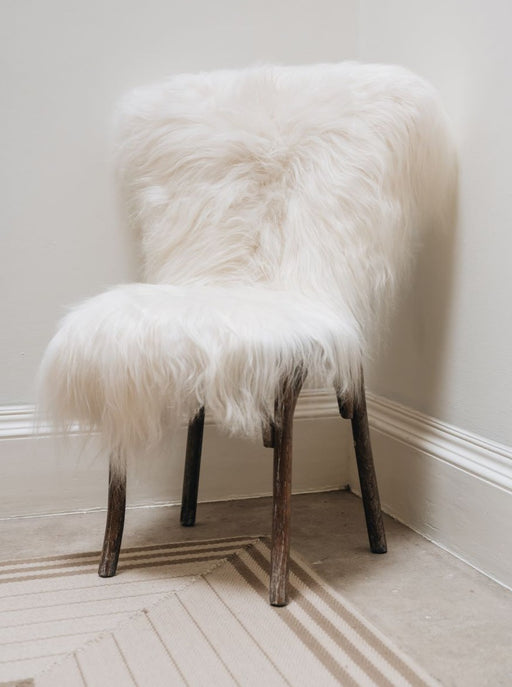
column 277, row 209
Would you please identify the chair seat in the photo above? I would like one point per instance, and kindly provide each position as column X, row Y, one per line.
column 142, row 356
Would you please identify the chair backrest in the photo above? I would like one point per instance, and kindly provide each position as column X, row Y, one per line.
column 315, row 178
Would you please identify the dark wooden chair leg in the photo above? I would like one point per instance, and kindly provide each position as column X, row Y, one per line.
column 192, row 468
column 115, row 523
column 346, row 406
column 366, row 469
column 285, row 409
column 268, row 431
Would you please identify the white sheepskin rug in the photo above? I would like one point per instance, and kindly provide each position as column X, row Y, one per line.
column 277, row 209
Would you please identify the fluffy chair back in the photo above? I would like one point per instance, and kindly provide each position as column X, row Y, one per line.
column 277, row 209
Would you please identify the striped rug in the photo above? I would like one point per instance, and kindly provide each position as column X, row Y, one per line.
column 193, row 613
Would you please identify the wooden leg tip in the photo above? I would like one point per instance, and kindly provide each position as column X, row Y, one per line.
column 278, row 602
column 107, row 570
column 188, row 517
column 379, row 548
column 278, row 591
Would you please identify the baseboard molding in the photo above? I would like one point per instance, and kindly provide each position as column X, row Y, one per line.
column 19, row 421
column 42, row 473
column 473, row 454
column 451, row 486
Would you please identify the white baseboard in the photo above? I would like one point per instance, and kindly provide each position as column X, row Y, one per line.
column 453, row 487
column 43, row 474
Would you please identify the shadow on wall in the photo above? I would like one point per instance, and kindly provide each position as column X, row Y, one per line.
column 409, row 364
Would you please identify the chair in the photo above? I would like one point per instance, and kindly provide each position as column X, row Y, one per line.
column 277, row 209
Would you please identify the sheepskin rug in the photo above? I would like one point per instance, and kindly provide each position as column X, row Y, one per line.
column 277, row 210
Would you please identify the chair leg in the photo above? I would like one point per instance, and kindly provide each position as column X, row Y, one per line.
column 115, row 523
column 268, row 432
column 367, row 476
column 285, row 409
column 192, row 468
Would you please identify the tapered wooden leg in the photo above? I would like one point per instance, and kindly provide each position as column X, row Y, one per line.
column 367, row 476
column 285, row 409
column 192, row 468
column 268, row 431
column 115, row 523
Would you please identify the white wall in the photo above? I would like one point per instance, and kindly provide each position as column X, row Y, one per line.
column 450, row 354
column 64, row 63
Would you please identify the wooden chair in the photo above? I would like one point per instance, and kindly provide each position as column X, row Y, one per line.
column 277, row 209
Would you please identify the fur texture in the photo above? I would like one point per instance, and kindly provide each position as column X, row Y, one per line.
column 276, row 208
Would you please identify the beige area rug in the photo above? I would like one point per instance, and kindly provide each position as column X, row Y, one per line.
column 193, row 613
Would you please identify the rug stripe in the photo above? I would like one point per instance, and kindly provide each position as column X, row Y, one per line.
column 301, row 668
column 126, row 554
column 247, row 663
column 123, row 560
column 342, row 637
column 164, row 644
column 201, row 630
column 146, row 654
column 63, row 674
column 48, row 588
column 122, row 568
column 209, row 670
column 67, row 597
column 236, row 541
column 18, row 613
column 102, row 664
column 126, row 562
column 249, row 634
column 335, row 640
column 363, row 630
column 57, row 644
column 125, row 662
column 300, row 631
column 371, row 636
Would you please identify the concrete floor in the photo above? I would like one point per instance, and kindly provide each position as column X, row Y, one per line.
column 453, row 620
